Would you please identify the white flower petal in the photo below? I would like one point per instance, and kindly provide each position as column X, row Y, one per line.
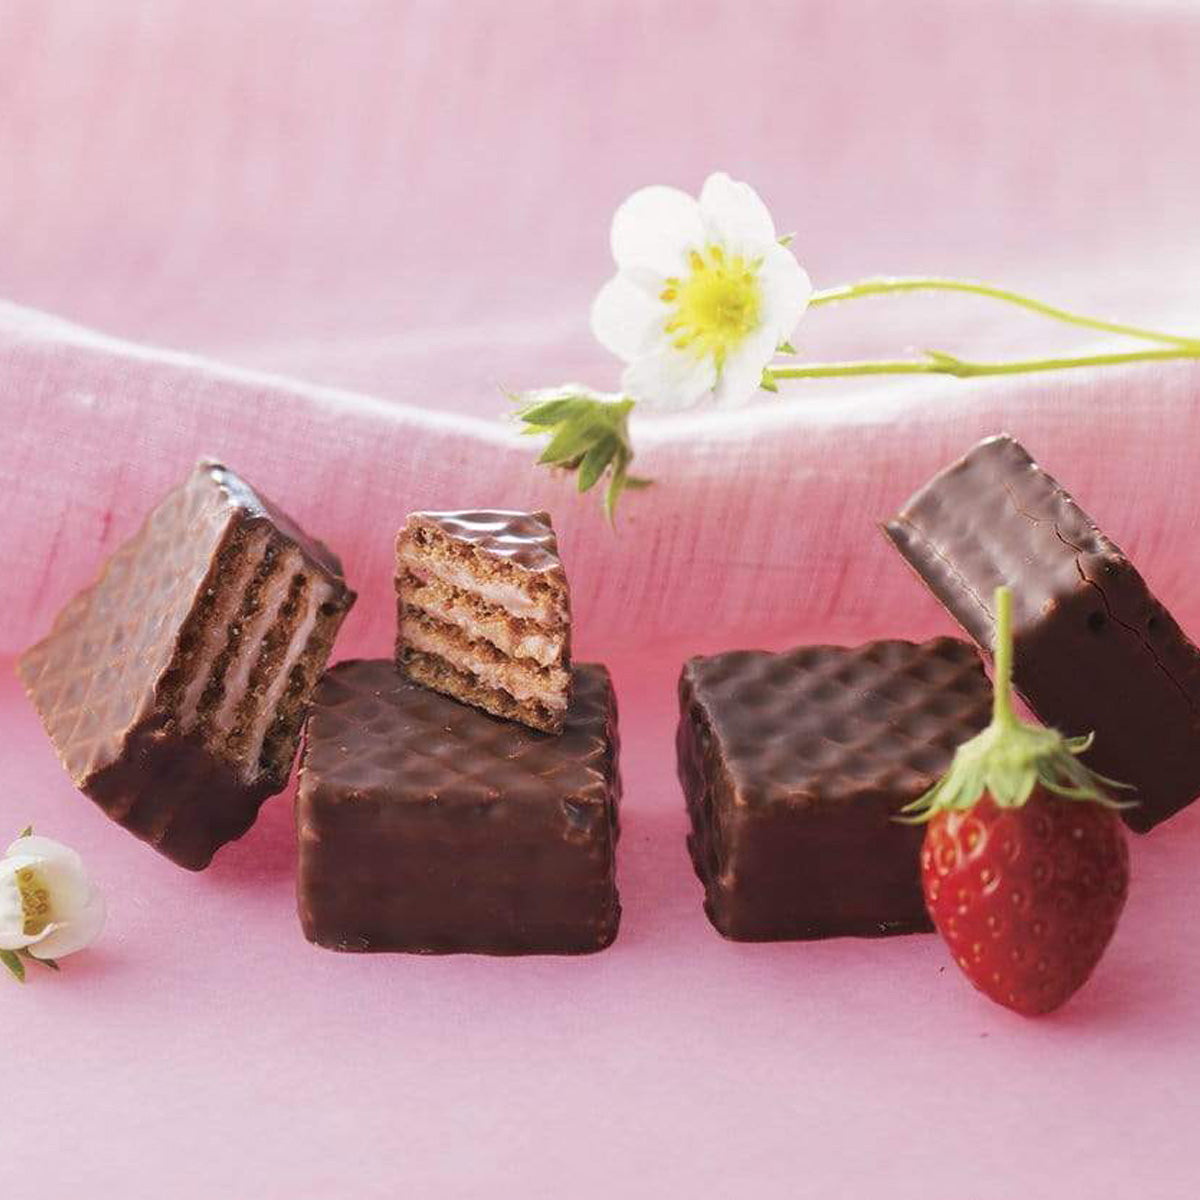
column 655, row 228
column 45, row 848
column 785, row 291
column 81, row 930
column 626, row 319
column 10, row 864
column 68, row 886
column 645, row 279
column 12, row 910
column 669, row 379
column 76, row 905
column 23, row 942
column 652, row 235
column 741, row 376
column 735, row 216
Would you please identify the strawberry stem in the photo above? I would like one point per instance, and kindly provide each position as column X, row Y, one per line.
column 1002, row 709
column 1011, row 760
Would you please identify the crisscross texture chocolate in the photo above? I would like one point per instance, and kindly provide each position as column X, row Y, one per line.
column 426, row 825
column 174, row 687
column 794, row 765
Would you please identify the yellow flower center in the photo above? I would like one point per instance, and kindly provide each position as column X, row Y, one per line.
column 716, row 306
column 35, row 901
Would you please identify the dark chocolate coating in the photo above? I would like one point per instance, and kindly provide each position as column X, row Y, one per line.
column 524, row 539
column 793, row 766
column 169, row 687
column 425, row 825
column 1094, row 651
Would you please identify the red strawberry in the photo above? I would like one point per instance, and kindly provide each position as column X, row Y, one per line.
column 1024, row 865
column 1027, row 898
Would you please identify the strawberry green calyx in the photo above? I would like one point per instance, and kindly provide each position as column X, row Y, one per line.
column 589, row 434
column 1011, row 758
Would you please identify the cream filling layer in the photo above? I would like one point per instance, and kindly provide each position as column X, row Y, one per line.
column 520, row 682
column 318, row 592
column 454, row 608
column 216, row 627
column 508, row 595
column 544, row 650
column 271, row 599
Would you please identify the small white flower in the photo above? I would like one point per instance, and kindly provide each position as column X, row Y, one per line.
column 703, row 296
column 49, row 908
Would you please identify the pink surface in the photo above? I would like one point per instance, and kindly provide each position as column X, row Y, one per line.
column 205, row 1049
column 354, row 222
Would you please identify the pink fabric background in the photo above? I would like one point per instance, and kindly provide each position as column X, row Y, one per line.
column 351, row 224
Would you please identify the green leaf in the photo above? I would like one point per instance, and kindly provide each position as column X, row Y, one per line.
column 767, row 383
column 786, row 239
column 548, row 413
column 574, row 437
column 588, row 432
column 49, row 963
column 787, row 348
column 26, row 832
column 13, row 962
column 617, row 483
column 595, row 461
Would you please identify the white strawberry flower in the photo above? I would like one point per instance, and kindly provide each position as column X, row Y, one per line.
column 704, row 294
column 49, row 907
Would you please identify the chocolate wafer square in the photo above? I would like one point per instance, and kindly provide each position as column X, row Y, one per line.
column 174, row 687
column 794, row 766
column 426, row 825
column 1093, row 650
column 485, row 612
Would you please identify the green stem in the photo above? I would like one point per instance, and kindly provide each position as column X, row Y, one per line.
column 833, row 370
column 883, row 286
column 947, row 364
column 1002, row 709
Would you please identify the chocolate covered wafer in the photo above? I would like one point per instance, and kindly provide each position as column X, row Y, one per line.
column 174, row 687
column 794, row 766
column 1094, row 651
column 426, row 825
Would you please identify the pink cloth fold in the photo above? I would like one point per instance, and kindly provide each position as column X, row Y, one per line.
column 760, row 523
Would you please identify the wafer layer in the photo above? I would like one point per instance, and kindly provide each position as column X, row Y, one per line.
column 175, row 686
column 484, row 612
